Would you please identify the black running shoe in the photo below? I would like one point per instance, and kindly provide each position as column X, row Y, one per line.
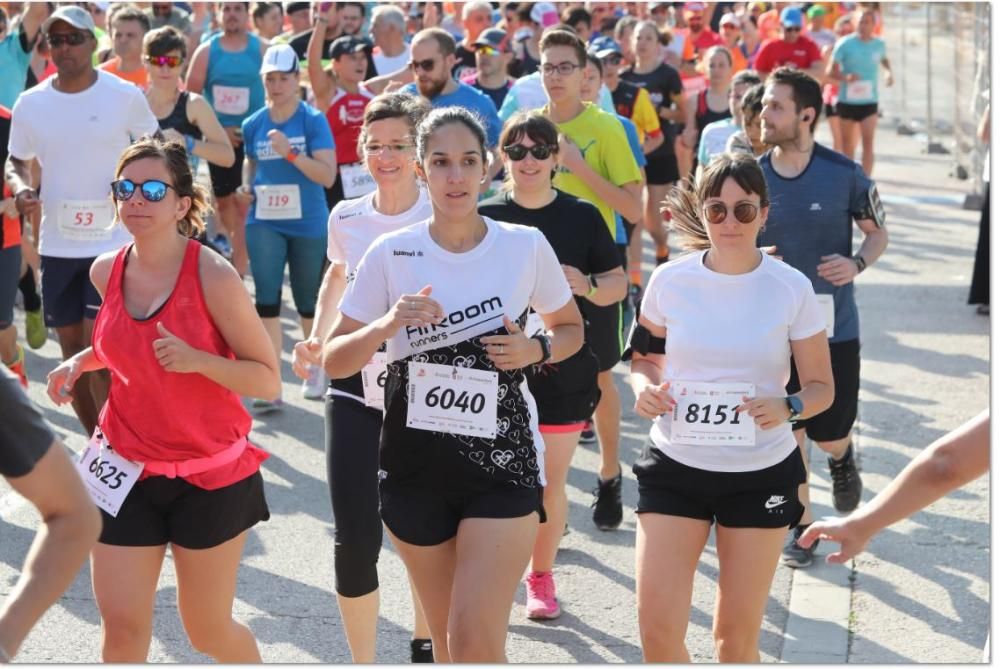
column 796, row 556
column 421, row 651
column 608, row 503
column 846, row 482
column 588, row 436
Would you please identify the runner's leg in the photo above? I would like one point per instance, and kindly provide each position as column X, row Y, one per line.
column 559, row 448
column 607, row 422
column 124, row 580
column 868, row 126
column 851, row 135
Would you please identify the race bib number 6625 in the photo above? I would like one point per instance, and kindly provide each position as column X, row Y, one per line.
column 107, row 476
column 706, row 414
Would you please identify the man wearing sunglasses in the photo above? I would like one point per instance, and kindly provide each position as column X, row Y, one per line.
column 791, row 49
column 75, row 124
column 493, row 55
column 17, row 40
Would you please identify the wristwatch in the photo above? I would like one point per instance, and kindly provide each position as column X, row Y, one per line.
column 593, row 285
column 546, row 343
column 795, row 406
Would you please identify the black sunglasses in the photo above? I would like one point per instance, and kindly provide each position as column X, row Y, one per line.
column 72, row 39
column 716, row 212
column 518, row 152
column 153, row 190
column 426, row 65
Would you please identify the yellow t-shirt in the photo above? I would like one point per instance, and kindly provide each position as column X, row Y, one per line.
column 602, row 141
column 644, row 116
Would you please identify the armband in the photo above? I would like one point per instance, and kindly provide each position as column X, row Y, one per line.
column 872, row 208
column 642, row 341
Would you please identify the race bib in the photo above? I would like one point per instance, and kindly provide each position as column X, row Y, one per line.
column 276, row 203
column 373, row 377
column 535, row 325
column 86, row 220
column 826, row 304
column 456, row 400
column 107, row 476
column 859, row 90
column 706, row 415
column 232, row 100
column 356, row 180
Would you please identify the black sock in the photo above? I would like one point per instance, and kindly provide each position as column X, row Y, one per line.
column 421, row 651
column 846, row 455
column 27, row 286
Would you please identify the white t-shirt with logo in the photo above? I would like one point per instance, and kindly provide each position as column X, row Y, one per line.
column 388, row 64
column 732, row 329
column 77, row 139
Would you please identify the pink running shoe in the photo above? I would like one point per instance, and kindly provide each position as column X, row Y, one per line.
column 542, row 603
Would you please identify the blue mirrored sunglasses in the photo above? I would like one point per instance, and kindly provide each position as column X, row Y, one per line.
column 152, row 190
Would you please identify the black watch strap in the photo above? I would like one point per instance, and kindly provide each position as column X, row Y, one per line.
column 546, row 343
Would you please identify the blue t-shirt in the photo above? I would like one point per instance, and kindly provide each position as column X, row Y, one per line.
column 476, row 102
column 812, row 215
column 307, row 131
column 856, row 56
column 633, row 143
column 14, row 62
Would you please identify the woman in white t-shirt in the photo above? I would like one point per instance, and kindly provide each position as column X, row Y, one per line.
column 459, row 452
column 353, row 407
column 709, row 366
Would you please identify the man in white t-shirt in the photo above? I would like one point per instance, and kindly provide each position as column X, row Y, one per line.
column 76, row 125
column 389, row 33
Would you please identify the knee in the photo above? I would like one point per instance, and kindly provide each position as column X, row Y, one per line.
column 355, row 564
column 211, row 638
column 735, row 643
column 659, row 634
column 123, row 630
column 468, row 641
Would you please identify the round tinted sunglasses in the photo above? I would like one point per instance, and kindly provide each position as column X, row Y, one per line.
column 539, row 151
column 152, row 190
column 716, row 212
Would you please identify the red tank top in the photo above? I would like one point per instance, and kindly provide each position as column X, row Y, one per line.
column 155, row 415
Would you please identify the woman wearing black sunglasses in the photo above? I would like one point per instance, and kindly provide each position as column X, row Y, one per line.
column 170, row 460
column 566, row 393
column 710, row 358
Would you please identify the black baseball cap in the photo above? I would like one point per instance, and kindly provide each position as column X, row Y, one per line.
column 348, row 44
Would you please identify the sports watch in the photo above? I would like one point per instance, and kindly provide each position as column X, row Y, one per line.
column 593, row 285
column 546, row 343
column 795, row 406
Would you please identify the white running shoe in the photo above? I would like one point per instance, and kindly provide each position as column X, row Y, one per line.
column 314, row 387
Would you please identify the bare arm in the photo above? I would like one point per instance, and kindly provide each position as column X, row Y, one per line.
column 378, row 84
column 984, row 126
column 198, row 71
column 320, row 167
column 652, row 142
column 309, row 351
column 812, row 360
column 652, row 396
column 32, row 19
column 215, row 146
column 875, row 242
column 322, row 86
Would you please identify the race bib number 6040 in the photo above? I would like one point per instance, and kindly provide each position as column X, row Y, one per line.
column 456, row 400
column 107, row 476
column 706, row 415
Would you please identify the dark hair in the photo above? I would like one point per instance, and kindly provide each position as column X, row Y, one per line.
column 163, row 40
column 445, row 42
column 175, row 157
column 442, row 116
column 524, row 12
column 131, row 13
column 3, row 15
column 664, row 36
column 806, row 91
column 752, row 102
column 684, row 202
column 592, row 57
column 359, row 5
column 533, row 125
column 745, row 77
column 563, row 37
column 409, row 108
column 262, row 8
column 608, row 25
column 575, row 15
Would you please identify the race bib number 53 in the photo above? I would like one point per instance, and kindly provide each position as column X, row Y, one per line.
column 456, row 400
column 107, row 476
column 86, row 220
column 706, row 414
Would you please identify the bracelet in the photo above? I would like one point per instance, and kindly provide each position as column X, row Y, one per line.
column 860, row 263
column 189, row 143
column 291, row 155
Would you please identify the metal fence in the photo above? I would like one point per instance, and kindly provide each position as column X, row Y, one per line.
column 940, row 54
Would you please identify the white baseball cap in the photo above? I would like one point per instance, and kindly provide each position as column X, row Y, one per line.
column 544, row 14
column 280, row 58
column 78, row 17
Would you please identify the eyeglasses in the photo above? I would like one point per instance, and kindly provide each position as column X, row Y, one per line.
column 152, row 190
column 160, row 61
column 72, row 39
column 564, row 69
column 425, row 65
column 518, row 152
column 717, row 212
column 376, row 149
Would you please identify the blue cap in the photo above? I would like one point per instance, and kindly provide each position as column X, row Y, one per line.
column 791, row 16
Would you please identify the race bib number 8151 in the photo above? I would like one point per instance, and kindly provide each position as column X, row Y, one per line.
column 706, row 414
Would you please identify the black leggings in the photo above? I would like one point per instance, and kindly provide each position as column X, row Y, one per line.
column 352, row 438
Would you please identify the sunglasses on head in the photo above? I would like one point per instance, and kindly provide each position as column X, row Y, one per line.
column 160, row 61
column 72, row 39
column 716, row 212
column 518, row 152
column 426, row 65
column 153, row 190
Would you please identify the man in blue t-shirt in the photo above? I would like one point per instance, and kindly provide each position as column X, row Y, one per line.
column 815, row 195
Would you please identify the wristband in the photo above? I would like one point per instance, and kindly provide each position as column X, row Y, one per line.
column 189, row 143
column 860, row 263
column 546, row 344
column 593, row 286
column 292, row 155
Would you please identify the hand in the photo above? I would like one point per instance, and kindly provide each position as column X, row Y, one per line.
column 235, row 135
column 62, row 379
column 837, row 269
column 577, row 280
column 393, row 86
column 431, row 18
column 332, row 17
column 174, row 354
column 689, row 136
column 415, row 310
column 26, row 201
column 888, row 79
column 514, row 350
column 171, row 135
column 306, row 354
column 844, row 531
column 851, row 76
column 8, row 207
column 279, row 142
column 767, row 412
column 569, row 154
column 654, row 401
column 771, row 251
column 244, row 194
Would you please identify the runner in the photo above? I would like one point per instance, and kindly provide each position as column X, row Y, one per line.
column 353, row 409
column 711, row 104
column 477, row 16
column 809, row 182
column 179, row 335
column 749, row 139
column 566, row 393
column 16, row 46
column 731, row 27
column 855, row 64
column 225, row 69
column 715, row 135
column 817, row 31
column 54, row 123
column 128, row 29
column 391, row 51
column 596, row 165
column 493, row 57
column 790, row 48
column 12, row 252
column 268, row 19
column 533, row 18
column 290, row 159
column 461, row 484
column 842, row 28
column 710, row 361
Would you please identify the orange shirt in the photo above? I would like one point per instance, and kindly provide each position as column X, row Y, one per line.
column 739, row 60
column 137, row 76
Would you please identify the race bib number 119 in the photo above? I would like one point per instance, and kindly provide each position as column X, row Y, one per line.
column 706, row 414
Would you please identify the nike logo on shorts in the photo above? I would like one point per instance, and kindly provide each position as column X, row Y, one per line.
column 775, row 500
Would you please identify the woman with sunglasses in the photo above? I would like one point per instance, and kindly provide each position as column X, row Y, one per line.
column 184, row 117
column 566, row 393
column 460, row 479
column 354, row 407
column 178, row 333
column 290, row 159
column 710, row 358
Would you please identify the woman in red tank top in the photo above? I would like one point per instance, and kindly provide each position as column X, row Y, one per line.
column 170, row 462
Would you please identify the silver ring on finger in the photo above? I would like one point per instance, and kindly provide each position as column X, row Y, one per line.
column 501, row 349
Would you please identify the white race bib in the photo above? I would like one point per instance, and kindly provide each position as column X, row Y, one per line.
column 826, row 304
column 86, row 220
column 705, row 414
column 278, row 203
column 232, row 100
column 859, row 90
column 373, row 378
column 356, row 180
column 535, row 325
column 107, row 476
column 456, row 400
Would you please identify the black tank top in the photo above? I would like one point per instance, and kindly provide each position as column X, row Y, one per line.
column 704, row 114
column 178, row 119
